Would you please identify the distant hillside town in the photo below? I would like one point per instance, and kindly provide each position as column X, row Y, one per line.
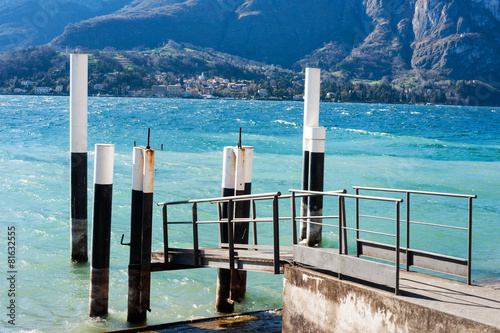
column 115, row 84
column 182, row 71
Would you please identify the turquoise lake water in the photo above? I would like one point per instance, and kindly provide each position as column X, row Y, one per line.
column 431, row 148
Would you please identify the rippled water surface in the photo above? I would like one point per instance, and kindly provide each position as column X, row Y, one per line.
column 433, row 148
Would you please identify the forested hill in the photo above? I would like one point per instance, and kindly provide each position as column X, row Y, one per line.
column 198, row 71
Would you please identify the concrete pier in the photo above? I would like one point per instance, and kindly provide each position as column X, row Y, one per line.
column 317, row 302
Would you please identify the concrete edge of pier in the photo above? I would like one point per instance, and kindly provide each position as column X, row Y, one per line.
column 314, row 301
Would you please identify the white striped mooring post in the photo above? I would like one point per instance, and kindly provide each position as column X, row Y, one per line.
column 147, row 224
column 134, row 271
column 78, row 159
column 236, row 180
column 139, row 268
column 101, row 229
column 313, row 159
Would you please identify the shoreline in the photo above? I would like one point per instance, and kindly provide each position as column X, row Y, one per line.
column 252, row 99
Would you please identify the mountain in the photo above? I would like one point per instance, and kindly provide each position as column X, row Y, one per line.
column 277, row 31
column 392, row 40
column 25, row 23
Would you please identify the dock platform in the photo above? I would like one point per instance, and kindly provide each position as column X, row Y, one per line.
column 479, row 302
column 248, row 260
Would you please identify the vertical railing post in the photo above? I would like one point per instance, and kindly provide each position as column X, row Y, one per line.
column 344, row 225
column 357, row 223
column 254, row 223
column 195, row 235
column 276, row 235
column 469, row 246
column 219, row 217
column 230, row 212
column 340, row 236
column 293, row 217
column 408, row 231
column 165, row 234
column 396, row 289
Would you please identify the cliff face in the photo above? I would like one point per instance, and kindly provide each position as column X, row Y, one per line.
column 26, row 23
column 458, row 39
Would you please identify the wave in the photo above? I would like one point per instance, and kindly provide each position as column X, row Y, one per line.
column 360, row 131
column 284, row 122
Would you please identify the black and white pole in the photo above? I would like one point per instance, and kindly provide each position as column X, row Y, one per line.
column 243, row 182
column 134, row 313
column 78, row 160
column 236, row 180
column 223, row 302
column 313, row 159
column 147, row 224
column 101, row 229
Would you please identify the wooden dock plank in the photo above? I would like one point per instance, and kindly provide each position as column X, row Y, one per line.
column 249, row 260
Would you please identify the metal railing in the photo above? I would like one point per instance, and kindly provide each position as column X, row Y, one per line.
column 341, row 262
column 229, row 221
column 390, row 256
column 427, row 259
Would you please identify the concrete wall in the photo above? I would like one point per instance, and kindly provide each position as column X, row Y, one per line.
column 315, row 302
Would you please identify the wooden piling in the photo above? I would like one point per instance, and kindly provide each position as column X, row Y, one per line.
column 101, row 230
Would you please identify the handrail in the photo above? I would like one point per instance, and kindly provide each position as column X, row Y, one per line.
column 342, row 227
column 230, row 221
column 408, row 220
column 365, row 247
column 346, row 195
column 234, row 198
column 415, row 192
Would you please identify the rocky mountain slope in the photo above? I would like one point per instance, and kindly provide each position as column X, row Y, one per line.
column 25, row 23
column 352, row 39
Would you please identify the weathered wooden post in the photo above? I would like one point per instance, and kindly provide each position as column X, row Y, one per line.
column 134, row 313
column 243, row 182
column 141, row 223
column 101, row 229
column 147, row 224
column 313, row 159
column 236, row 180
column 78, row 159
